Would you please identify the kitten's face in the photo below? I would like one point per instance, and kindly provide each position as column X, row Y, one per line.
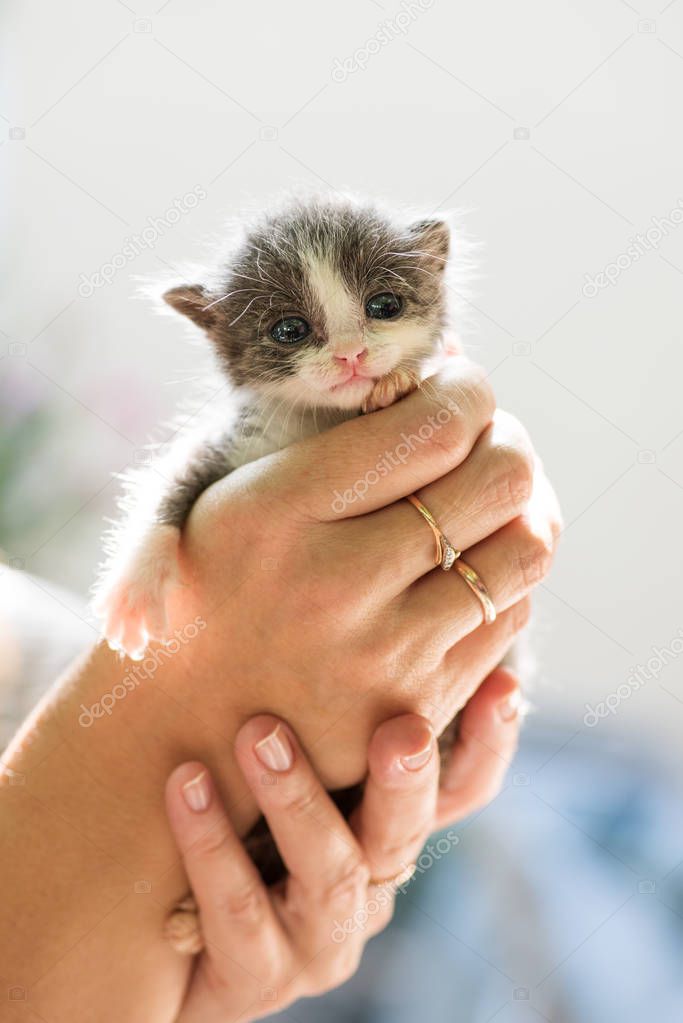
column 324, row 299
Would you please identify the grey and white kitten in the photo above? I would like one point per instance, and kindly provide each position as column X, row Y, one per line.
column 324, row 309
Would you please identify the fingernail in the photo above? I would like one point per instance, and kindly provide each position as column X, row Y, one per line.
column 508, row 709
column 417, row 760
column 275, row 751
column 196, row 792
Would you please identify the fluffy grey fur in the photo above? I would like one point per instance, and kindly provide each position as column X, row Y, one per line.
column 268, row 278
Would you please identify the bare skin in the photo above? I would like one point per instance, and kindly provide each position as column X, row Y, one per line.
column 266, row 948
column 333, row 621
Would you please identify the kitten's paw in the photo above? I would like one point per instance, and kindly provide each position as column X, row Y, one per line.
column 131, row 599
column 183, row 929
column 390, row 388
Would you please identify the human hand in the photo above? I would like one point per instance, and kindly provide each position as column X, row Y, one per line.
column 264, row 948
column 331, row 614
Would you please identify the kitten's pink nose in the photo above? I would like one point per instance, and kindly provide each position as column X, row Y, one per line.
column 353, row 356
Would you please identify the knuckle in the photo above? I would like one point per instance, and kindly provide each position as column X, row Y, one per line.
column 510, row 470
column 484, row 400
column 343, row 967
column 350, row 880
column 535, row 557
column 246, row 906
column 447, row 442
column 472, row 392
column 215, row 843
column 550, row 503
column 517, row 471
column 393, row 851
column 460, row 409
column 303, row 802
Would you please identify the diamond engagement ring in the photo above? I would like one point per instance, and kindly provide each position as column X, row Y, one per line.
column 446, row 554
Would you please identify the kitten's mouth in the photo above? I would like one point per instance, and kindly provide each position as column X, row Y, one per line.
column 355, row 380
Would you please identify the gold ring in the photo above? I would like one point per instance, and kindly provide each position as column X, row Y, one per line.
column 446, row 553
column 398, row 880
column 475, row 583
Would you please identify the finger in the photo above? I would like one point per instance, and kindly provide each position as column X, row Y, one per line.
column 236, row 914
column 487, row 740
column 315, row 842
column 471, row 660
column 489, row 489
column 371, row 461
column 397, row 811
column 510, row 563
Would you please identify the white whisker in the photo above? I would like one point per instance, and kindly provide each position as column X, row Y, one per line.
column 246, row 308
column 223, row 297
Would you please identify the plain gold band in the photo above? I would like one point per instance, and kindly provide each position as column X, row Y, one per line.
column 475, row 583
column 446, row 554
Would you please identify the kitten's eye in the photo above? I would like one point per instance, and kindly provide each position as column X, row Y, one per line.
column 384, row 306
column 290, row 330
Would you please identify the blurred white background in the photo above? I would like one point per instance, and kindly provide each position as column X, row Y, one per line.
column 554, row 126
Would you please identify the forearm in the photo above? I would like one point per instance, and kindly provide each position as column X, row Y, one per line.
column 89, row 866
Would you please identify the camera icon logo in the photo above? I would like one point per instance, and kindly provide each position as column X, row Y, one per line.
column 521, row 134
column 142, row 456
column 646, row 457
column 647, row 27
column 521, row 780
column 17, row 134
column 268, row 994
column 268, row 133
column 521, row 348
column 269, row 564
column 269, row 779
column 647, row 887
column 521, row 994
column 143, row 26
column 18, row 563
column 142, row 887
column 17, row 994
column 16, row 778
column 19, row 349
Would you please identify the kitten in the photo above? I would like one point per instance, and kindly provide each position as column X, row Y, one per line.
column 329, row 308
column 326, row 308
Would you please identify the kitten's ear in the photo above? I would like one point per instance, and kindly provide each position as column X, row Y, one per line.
column 433, row 239
column 193, row 301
